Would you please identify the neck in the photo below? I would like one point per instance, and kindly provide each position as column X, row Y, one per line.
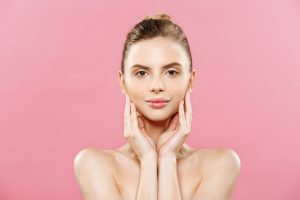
column 155, row 128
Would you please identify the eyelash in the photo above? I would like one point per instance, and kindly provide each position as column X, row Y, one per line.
column 145, row 71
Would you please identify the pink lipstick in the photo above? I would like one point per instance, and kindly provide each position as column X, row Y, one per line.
column 158, row 102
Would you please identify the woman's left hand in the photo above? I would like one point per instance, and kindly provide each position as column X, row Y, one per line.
column 171, row 140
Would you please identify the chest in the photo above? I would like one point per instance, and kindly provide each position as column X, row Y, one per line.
column 129, row 173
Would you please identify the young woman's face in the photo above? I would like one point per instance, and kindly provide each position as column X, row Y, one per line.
column 147, row 76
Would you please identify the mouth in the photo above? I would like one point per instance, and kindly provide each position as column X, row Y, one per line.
column 158, row 104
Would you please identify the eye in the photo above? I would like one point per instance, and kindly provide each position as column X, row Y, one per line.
column 173, row 72
column 140, row 73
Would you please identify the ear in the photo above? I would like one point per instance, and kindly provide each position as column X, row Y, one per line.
column 122, row 82
column 192, row 79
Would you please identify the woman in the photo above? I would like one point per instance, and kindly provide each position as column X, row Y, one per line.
column 156, row 78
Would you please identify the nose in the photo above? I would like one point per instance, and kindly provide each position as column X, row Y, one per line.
column 156, row 86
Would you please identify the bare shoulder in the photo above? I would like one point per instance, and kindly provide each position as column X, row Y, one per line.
column 94, row 173
column 225, row 158
column 220, row 169
column 219, row 156
column 93, row 155
column 92, row 158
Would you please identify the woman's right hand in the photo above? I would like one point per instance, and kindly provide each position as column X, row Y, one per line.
column 135, row 134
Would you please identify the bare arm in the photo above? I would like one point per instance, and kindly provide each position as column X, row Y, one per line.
column 168, row 179
column 147, row 189
column 145, row 150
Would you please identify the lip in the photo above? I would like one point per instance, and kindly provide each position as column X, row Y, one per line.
column 158, row 104
column 158, row 100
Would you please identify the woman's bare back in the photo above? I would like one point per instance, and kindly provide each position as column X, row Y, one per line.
column 124, row 166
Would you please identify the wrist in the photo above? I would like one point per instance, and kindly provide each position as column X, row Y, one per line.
column 166, row 154
column 151, row 157
column 170, row 157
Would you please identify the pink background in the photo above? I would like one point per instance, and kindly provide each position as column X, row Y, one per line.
column 59, row 91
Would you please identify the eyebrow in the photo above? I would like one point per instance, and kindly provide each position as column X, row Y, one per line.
column 164, row 67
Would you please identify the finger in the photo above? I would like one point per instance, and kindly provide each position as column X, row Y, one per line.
column 176, row 141
column 182, row 121
column 173, row 122
column 188, row 107
column 141, row 124
column 127, row 117
column 133, row 117
column 137, row 121
column 140, row 119
column 138, row 114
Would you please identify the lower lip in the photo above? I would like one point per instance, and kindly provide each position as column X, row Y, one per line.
column 158, row 104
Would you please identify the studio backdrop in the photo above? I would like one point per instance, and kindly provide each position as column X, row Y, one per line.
column 59, row 89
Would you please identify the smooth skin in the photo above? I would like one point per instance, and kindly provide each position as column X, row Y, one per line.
column 156, row 163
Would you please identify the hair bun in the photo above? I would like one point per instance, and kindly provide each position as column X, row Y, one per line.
column 159, row 16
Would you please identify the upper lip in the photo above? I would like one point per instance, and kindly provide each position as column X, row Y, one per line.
column 158, row 100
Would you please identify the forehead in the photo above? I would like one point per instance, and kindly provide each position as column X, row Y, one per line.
column 156, row 52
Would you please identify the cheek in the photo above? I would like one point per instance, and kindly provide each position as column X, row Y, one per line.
column 180, row 84
column 178, row 91
column 135, row 91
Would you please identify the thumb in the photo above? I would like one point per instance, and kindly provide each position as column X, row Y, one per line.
column 141, row 124
column 173, row 122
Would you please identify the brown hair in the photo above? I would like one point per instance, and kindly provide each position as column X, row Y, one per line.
column 153, row 26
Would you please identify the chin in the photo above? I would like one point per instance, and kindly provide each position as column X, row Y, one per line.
column 157, row 115
column 157, row 118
